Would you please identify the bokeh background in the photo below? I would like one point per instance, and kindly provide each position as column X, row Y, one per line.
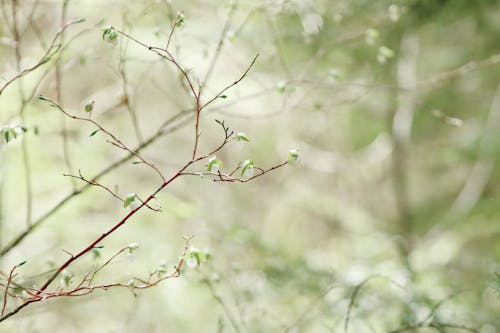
column 391, row 220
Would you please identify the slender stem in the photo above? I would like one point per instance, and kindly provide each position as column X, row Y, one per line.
column 167, row 127
column 116, row 141
column 232, row 84
column 220, row 43
column 59, row 99
column 4, row 305
column 49, row 53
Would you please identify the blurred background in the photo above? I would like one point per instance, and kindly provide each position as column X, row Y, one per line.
column 390, row 222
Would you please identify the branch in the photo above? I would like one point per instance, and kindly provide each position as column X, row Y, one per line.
column 462, row 70
column 115, row 140
column 51, row 51
column 107, row 189
column 232, row 84
column 167, row 127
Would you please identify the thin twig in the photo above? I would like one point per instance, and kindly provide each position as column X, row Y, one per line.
column 220, row 43
column 167, row 127
column 115, row 140
column 232, row 84
column 51, row 51
column 59, row 99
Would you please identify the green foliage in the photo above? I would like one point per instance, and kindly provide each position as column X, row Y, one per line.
column 129, row 199
column 247, row 169
column 8, row 133
column 214, row 164
column 242, row 137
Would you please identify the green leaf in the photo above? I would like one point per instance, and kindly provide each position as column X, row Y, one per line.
column 113, row 35
column 180, row 20
column 129, row 199
column 97, row 253
column 7, row 135
column 136, row 162
column 21, row 263
column 293, row 156
column 247, row 168
column 223, row 96
column 109, row 34
column 89, row 106
column 43, row 98
column 94, row 132
column 214, row 164
column 132, row 246
column 105, row 31
column 241, row 137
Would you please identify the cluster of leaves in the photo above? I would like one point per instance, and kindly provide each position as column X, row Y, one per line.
column 9, row 133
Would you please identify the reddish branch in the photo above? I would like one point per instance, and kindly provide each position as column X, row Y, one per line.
column 4, row 304
column 41, row 293
column 85, row 287
column 228, row 177
column 195, row 92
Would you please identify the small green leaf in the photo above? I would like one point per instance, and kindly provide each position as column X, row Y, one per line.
column 105, row 31
column 129, row 199
column 7, row 135
column 89, row 106
column 94, row 132
column 132, row 246
column 241, row 137
column 66, row 277
column 136, row 162
column 293, row 157
column 180, row 20
column 214, row 164
column 21, row 263
column 247, row 169
column 43, row 98
column 109, row 34
column 97, row 253
column 223, row 96
column 113, row 35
